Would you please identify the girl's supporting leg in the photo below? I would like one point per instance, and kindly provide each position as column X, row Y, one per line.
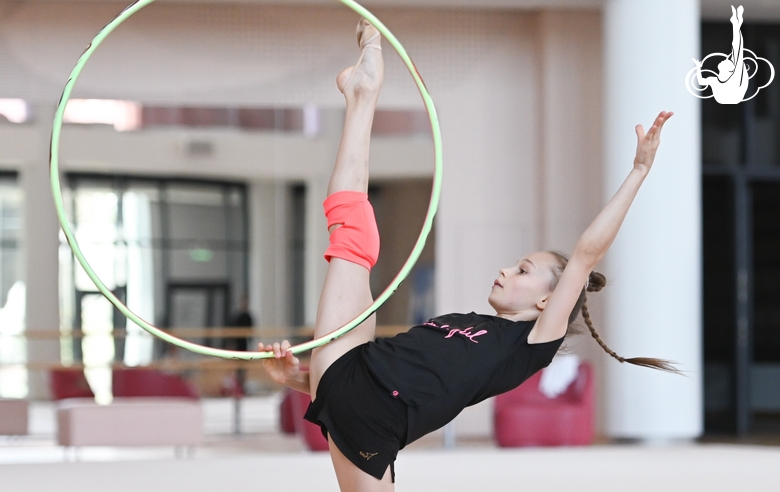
column 351, row 478
column 346, row 292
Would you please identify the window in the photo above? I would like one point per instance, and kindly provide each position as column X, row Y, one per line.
column 174, row 250
column 13, row 348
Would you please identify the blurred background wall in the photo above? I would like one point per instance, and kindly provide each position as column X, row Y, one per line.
column 202, row 134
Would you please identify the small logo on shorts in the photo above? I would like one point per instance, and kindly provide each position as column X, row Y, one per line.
column 367, row 456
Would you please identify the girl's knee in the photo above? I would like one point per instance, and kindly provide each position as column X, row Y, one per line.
column 354, row 235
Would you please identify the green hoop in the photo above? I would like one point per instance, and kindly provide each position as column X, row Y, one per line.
column 230, row 354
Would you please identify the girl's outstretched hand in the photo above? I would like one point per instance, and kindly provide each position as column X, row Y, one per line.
column 284, row 367
column 647, row 143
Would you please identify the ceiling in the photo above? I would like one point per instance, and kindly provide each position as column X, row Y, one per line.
column 755, row 10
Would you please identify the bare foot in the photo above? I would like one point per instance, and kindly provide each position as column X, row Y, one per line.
column 365, row 78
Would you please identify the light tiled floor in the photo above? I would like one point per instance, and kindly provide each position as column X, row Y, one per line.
column 263, row 459
column 711, row 468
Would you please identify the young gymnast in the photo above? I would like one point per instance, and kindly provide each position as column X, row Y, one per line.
column 372, row 397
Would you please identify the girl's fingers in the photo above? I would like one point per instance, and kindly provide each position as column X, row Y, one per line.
column 655, row 129
column 664, row 117
column 279, row 349
column 291, row 359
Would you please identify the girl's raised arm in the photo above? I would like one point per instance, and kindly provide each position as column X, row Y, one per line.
column 596, row 239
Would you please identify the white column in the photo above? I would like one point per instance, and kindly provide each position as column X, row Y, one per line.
column 41, row 245
column 654, row 267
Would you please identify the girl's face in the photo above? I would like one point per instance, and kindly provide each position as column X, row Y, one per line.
column 523, row 289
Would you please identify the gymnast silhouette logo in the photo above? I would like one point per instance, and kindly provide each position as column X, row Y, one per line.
column 730, row 84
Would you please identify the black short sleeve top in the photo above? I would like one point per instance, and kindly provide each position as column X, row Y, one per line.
column 453, row 361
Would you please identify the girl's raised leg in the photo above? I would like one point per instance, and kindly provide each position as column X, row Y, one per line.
column 346, row 292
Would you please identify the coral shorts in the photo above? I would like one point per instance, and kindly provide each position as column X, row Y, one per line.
column 357, row 240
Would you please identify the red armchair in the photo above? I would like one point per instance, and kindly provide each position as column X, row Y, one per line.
column 149, row 382
column 287, row 413
column 292, row 409
column 526, row 417
column 69, row 383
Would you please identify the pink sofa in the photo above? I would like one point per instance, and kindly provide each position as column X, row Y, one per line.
column 526, row 417
column 136, row 421
column 13, row 417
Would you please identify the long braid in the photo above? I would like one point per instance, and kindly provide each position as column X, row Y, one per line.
column 595, row 334
column 660, row 364
column 596, row 282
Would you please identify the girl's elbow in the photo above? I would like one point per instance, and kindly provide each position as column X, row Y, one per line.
column 588, row 251
column 587, row 257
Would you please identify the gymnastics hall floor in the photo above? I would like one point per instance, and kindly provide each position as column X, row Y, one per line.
column 262, row 459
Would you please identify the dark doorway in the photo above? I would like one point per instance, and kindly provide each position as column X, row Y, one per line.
column 741, row 246
column 198, row 305
column 765, row 366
